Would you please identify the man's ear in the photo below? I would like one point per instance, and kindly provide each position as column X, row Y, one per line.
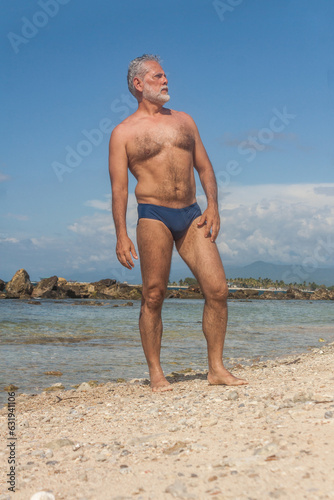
column 138, row 84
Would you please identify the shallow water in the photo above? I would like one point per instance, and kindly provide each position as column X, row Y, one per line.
column 102, row 342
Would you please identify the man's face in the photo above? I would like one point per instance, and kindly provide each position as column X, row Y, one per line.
column 155, row 83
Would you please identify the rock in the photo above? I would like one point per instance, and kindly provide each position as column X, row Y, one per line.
column 177, row 489
column 233, row 395
column 209, row 422
column 302, row 397
column 59, row 443
column 176, row 448
column 10, row 388
column 34, row 302
column 238, row 294
column 322, row 294
column 268, row 295
column 43, row 495
column 19, row 286
column 84, row 387
column 2, row 285
column 58, row 386
column 295, row 293
column 329, row 414
column 54, row 373
column 44, row 288
column 106, row 282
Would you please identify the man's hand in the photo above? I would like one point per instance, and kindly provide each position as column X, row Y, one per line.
column 125, row 250
column 211, row 218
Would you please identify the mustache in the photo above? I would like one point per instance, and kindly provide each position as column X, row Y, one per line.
column 164, row 88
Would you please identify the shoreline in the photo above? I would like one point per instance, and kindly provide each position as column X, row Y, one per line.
column 271, row 438
column 230, row 363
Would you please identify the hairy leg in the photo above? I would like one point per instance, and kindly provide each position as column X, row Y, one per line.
column 203, row 259
column 155, row 246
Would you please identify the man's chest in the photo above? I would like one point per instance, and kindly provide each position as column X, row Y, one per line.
column 151, row 141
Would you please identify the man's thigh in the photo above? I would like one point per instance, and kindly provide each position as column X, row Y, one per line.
column 155, row 246
column 203, row 259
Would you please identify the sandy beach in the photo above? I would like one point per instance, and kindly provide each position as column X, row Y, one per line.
column 270, row 439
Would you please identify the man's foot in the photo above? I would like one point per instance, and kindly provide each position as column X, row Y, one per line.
column 224, row 377
column 160, row 384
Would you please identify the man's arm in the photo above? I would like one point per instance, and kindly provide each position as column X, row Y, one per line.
column 202, row 164
column 118, row 170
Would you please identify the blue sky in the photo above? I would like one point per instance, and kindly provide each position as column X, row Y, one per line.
column 257, row 77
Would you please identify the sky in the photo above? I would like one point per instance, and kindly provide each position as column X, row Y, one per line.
column 258, row 79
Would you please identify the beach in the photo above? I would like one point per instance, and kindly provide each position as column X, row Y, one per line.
column 270, row 439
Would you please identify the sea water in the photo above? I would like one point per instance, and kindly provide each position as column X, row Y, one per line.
column 93, row 340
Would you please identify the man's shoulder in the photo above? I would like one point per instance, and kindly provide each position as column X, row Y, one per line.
column 122, row 129
column 182, row 115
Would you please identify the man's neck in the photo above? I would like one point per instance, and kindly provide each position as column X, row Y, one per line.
column 149, row 108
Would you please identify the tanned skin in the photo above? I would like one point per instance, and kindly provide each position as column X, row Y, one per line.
column 161, row 147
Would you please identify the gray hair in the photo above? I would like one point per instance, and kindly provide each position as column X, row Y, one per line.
column 137, row 68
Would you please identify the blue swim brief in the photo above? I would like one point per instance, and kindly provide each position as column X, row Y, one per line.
column 176, row 219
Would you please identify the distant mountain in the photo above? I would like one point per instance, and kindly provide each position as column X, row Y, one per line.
column 287, row 273
column 259, row 269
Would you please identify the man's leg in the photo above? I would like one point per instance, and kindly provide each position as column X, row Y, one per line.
column 155, row 246
column 203, row 259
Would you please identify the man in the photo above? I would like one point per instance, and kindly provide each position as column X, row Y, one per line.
column 161, row 147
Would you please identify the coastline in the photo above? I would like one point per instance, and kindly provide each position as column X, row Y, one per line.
column 20, row 287
column 270, row 439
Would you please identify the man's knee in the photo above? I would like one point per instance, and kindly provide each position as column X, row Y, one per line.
column 153, row 297
column 217, row 292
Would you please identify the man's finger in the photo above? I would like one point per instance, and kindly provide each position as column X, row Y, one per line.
column 208, row 229
column 202, row 220
column 133, row 251
column 215, row 230
column 128, row 259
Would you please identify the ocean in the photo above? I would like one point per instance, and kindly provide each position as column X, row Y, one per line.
column 93, row 340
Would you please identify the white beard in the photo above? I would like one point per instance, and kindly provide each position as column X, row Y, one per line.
column 155, row 97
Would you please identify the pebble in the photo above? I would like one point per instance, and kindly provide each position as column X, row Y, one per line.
column 177, row 489
column 233, row 395
column 84, row 387
column 329, row 414
column 59, row 443
column 43, row 495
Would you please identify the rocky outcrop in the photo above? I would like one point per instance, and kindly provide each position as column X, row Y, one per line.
column 323, row 294
column 111, row 289
column 19, row 287
column 59, row 288
column 296, row 294
column 243, row 294
column 45, row 288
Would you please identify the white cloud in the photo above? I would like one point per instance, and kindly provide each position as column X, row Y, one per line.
column 278, row 223
column 8, row 240
column 274, row 223
column 100, row 204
